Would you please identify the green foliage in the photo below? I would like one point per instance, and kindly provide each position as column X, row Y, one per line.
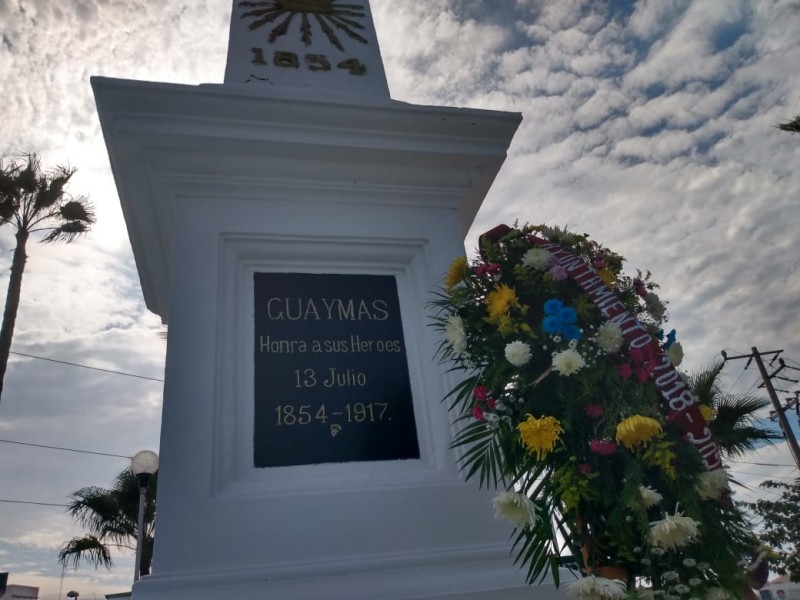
column 34, row 200
column 110, row 516
column 780, row 520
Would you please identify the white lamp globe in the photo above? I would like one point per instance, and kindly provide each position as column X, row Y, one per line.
column 144, row 461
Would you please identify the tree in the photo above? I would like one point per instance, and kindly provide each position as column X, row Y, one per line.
column 34, row 201
column 780, row 520
column 734, row 423
column 109, row 516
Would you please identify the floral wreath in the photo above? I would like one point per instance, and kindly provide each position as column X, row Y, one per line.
column 571, row 403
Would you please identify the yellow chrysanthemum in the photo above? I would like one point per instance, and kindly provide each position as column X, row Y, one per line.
column 456, row 273
column 707, row 412
column 539, row 436
column 500, row 299
column 637, row 430
column 607, row 276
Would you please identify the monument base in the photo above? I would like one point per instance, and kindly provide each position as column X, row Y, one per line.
column 458, row 580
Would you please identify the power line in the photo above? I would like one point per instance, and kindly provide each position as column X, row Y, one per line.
column 744, row 462
column 767, row 476
column 64, row 449
column 64, row 362
column 36, row 503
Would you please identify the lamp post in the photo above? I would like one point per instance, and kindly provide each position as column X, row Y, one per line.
column 143, row 465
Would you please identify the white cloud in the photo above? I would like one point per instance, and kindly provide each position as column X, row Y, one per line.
column 652, row 131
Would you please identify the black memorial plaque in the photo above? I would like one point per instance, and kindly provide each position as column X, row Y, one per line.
column 331, row 373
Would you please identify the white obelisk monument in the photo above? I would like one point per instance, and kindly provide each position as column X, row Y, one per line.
column 290, row 225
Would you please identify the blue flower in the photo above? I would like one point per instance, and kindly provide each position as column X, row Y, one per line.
column 551, row 324
column 670, row 339
column 571, row 332
column 553, row 306
column 567, row 315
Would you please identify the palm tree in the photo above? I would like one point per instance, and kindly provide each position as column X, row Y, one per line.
column 734, row 424
column 110, row 516
column 792, row 126
column 33, row 201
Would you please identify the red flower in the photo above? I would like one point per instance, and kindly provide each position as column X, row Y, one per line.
column 487, row 269
column 625, row 370
column 585, row 468
column 593, row 410
column 640, row 288
column 602, row 447
column 480, row 392
column 477, row 412
column 491, row 403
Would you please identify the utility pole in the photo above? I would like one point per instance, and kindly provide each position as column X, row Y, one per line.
column 788, row 433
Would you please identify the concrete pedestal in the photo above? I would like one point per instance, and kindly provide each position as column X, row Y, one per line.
column 218, row 183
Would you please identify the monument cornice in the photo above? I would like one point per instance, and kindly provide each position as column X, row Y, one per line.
column 169, row 141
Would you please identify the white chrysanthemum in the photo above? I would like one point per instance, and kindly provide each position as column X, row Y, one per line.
column 695, row 581
column 689, row 562
column 454, row 333
column 537, row 258
column 675, row 354
column 717, row 593
column 597, row 588
column 712, row 484
column 650, row 497
column 515, row 507
column 568, row 362
column 518, row 353
column 609, row 337
column 673, row 531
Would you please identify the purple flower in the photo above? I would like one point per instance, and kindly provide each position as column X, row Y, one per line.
column 558, row 273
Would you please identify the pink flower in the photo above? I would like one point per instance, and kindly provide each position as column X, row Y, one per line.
column 558, row 273
column 598, row 262
column 602, row 447
column 480, row 392
column 491, row 403
column 585, row 468
column 477, row 413
column 593, row 410
column 625, row 370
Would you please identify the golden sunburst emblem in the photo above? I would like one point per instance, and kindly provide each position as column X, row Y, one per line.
column 329, row 14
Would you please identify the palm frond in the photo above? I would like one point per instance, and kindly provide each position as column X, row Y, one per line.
column 88, row 548
column 792, row 126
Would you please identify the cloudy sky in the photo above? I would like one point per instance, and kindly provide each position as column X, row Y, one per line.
column 649, row 125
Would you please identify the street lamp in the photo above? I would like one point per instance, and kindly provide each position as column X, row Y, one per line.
column 143, row 465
